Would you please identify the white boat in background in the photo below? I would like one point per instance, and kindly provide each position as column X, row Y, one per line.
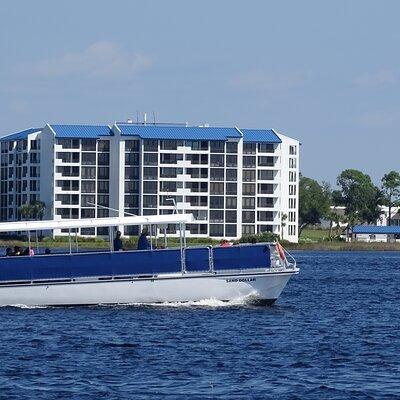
column 254, row 272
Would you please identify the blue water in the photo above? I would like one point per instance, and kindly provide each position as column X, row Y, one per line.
column 334, row 334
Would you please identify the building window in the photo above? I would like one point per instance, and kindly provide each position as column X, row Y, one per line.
column 170, row 158
column 132, row 172
column 231, row 216
column 231, row 188
column 88, row 187
column 88, row 173
column 266, row 175
column 248, row 216
column 249, row 162
column 133, row 158
column 88, row 144
column 265, row 188
column 131, row 145
column 216, row 174
column 197, row 145
column 217, row 146
column 150, row 173
column 103, row 200
column 248, row 230
column 249, row 148
column 266, row 161
column 103, row 186
column 88, row 200
column 231, row 175
column 265, row 216
column 249, row 176
column 217, row 202
column 148, row 158
column 150, row 201
column 170, row 144
column 103, row 173
column 249, row 189
column 216, row 230
column 151, row 145
column 230, row 230
column 292, row 150
column 216, row 188
column 231, row 202
column 103, row 145
column 88, row 213
column 292, row 189
column 168, row 186
column 265, row 202
column 292, row 163
column 170, row 172
column 131, row 186
column 150, row 187
column 266, row 148
column 249, row 202
column 216, row 160
column 103, row 158
column 216, row 216
column 231, row 147
column 131, row 201
column 231, row 160
column 88, row 158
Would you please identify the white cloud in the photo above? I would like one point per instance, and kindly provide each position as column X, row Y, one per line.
column 268, row 82
column 102, row 59
column 378, row 78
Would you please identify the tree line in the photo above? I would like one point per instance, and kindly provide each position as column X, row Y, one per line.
column 356, row 192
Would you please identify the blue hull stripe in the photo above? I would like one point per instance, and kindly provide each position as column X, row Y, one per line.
column 130, row 263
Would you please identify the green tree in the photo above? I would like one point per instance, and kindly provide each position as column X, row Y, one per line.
column 391, row 191
column 38, row 209
column 360, row 197
column 26, row 211
column 314, row 202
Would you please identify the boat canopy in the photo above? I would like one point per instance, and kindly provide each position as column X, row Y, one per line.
column 95, row 222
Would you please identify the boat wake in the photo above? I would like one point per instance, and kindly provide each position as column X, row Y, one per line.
column 249, row 300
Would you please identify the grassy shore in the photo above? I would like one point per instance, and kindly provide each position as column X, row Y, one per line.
column 311, row 239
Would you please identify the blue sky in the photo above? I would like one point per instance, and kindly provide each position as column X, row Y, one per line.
column 327, row 73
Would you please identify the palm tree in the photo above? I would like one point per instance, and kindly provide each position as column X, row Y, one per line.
column 26, row 211
column 39, row 208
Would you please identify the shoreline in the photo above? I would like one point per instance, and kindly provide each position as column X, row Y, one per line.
column 314, row 246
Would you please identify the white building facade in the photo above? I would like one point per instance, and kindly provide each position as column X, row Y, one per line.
column 234, row 181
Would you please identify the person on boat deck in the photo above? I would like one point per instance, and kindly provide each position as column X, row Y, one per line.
column 143, row 243
column 9, row 251
column 17, row 251
column 118, row 246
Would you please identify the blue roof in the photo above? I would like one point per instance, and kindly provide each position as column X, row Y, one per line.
column 81, row 131
column 376, row 230
column 260, row 136
column 20, row 135
column 178, row 132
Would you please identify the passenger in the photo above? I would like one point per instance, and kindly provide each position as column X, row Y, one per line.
column 47, row 251
column 25, row 252
column 225, row 243
column 17, row 251
column 31, row 252
column 143, row 243
column 9, row 251
column 118, row 245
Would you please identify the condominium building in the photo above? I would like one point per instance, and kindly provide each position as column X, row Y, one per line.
column 234, row 181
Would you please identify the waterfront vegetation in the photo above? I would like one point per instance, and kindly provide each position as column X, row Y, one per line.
column 310, row 239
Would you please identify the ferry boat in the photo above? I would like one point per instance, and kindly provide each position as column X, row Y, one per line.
column 251, row 272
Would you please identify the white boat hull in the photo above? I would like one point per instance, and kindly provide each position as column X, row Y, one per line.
column 264, row 287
